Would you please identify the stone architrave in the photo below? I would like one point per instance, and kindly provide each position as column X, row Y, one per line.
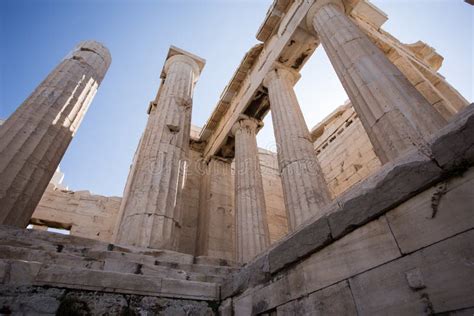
column 35, row 137
column 251, row 228
column 305, row 190
column 395, row 115
column 150, row 210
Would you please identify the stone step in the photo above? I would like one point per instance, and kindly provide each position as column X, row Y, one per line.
column 49, row 240
column 86, row 256
column 28, row 254
column 47, row 247
column 122, row 266
column 22, row 272
column 204, row 274
column 91, row 249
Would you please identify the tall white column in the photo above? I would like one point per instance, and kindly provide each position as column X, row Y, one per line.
column 35, row 137
column 151, row 206
column 304, row 188
column 395, row 115
column 252, row 236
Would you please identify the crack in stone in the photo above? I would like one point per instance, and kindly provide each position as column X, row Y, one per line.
column 436, row 197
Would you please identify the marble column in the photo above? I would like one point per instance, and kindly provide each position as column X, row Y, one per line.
column 304, row 188
column 251, row 228
column 395, row 115
column 35, row 137
column 150, row 210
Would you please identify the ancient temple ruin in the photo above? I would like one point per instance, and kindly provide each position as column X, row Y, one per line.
column 369, row 212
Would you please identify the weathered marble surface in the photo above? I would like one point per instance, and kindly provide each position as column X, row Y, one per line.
column 415, row 193
column 82, row 213
column 251, row 228
column 420, row 64
column 395, row 115
column 344, row 150
column 31, row 259
column 277, row 218
column 37, row 300
column 191, row 197
column 397, row 182
column 304, row 187
column 216, row 229
column 380, row 245
column 151, row 214
column 35, row 137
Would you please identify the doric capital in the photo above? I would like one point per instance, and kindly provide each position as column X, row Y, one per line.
column 176, row 54
column 183, row 59
column 246, row 122
column 280, row 71
column 315, row 8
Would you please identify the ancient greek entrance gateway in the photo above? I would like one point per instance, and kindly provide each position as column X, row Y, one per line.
column 368, row 212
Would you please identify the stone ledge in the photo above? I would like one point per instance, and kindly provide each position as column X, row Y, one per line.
column 308, row 239
column 453, row 146
column 19, row 272
column 395, row 182
column 254, row 273
column 369, row 246
column 452, row 149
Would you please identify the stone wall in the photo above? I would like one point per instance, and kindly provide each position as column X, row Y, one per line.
column 36, row 300
column 84, row 214
column 344, row 150
column 272, row 187
column 415, row 252
column 216, row 217
column 217, row 234
column 190, row 204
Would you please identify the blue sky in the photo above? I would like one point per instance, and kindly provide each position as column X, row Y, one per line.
column 36, row 34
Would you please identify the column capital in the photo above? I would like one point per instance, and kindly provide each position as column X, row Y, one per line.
column 281, row 71
column 183, row 59
column 247, row 122
column 176, row 54
column 315, row 8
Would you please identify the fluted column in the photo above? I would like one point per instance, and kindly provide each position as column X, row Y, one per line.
column 394, row 114
column 304, row 188
column 151, row 205
column 35, row 137
column 251, row 226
